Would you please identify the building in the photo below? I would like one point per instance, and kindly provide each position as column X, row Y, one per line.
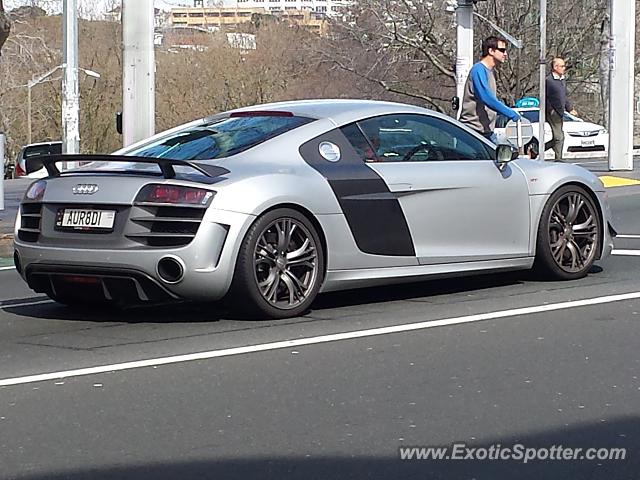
column 213, row 18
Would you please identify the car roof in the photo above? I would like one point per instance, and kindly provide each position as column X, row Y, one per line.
column 339, row 110
column 40, row 144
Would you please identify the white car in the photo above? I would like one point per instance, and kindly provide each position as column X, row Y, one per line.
column 581, row 139
column 27, row 162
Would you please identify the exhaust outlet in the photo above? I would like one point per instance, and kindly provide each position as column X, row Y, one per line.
column 170, row 269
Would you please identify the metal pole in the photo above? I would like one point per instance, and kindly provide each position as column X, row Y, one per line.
column 70, row 95
column 621, row 71
column 29, row 113
column 2, row 159
column 138, row 71
column 543, row 77
column 464, row 58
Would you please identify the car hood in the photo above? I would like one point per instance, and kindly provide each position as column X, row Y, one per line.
column 581, row 127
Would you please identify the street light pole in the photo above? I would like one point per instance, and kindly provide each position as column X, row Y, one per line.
column 543, row 78
column 621, row 76
column 29, row 113
column 70, row 95
column 138, row 71
column 464, row 57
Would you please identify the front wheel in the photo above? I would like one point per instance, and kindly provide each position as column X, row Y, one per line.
column 279, row 267
column 569, row 235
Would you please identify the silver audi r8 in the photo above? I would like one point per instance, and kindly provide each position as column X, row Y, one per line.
column 269, row 205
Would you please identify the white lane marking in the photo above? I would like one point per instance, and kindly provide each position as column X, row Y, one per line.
column 8, row 268
column 627, row 236
column 315, row 340
column 27, row 304
column 633, row 253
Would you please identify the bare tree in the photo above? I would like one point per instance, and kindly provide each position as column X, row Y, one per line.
column 404, row 47
column 408, row 47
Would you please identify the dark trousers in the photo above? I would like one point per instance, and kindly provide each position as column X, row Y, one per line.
column 557, row 142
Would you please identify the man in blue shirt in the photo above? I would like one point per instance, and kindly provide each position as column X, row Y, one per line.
column 480, row 105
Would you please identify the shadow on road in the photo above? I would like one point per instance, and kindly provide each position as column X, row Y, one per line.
column 191, row 312
column 617, row 433
column 419, row 290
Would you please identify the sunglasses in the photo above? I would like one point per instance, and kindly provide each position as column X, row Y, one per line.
column 501, row 49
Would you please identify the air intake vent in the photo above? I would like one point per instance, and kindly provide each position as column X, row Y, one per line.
column 30, row 217
column 166, row 226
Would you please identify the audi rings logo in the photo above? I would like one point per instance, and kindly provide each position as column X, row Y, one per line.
column 85, row 189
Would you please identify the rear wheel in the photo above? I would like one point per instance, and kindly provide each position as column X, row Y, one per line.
column 569, row 235
column 279, row 267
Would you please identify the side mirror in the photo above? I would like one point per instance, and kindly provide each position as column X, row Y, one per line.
column 33, row 164
column 455, row 103
column 504, row 154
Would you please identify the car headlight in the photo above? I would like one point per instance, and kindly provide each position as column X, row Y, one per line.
column 602, row 131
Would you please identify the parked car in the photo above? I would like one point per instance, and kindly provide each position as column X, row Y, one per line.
column 27, row 161
column 581, row 139
column 267, row 206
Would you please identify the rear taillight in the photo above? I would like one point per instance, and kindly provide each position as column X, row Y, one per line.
column 36, row 190
column 19, row 171
column 174, row 194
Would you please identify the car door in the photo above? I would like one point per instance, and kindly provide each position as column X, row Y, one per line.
column 458, row 204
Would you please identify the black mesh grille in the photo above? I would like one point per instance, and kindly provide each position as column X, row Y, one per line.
column 30, row 218
column 594, row 148
column 166, row 226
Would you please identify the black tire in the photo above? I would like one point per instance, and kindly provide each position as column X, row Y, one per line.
column 569, row 235
column 282, row 282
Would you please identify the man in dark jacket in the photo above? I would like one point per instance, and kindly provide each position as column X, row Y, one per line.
column 557, row 103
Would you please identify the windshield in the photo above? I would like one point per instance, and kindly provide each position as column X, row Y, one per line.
column 39, row 150
column 531, row 115
column 221, row 138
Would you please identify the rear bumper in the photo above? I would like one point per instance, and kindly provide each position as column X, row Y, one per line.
column 132, row 274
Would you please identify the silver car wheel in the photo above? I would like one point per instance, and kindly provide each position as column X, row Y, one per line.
column 573, row 232
column 286, row 263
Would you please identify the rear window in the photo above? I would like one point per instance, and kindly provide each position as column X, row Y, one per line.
column 221, row 138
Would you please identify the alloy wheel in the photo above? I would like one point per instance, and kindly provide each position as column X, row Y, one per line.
column 286, row 263
column 573, row 232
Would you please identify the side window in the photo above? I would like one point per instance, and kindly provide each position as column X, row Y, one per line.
column 421, row 138
column 365, row 150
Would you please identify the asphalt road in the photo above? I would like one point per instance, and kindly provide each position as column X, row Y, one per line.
column 503, row 359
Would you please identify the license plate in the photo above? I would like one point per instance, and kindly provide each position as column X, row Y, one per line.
column 85, row 219
column 588, row 143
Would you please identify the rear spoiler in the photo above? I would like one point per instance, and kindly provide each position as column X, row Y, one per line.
column 166, row 164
